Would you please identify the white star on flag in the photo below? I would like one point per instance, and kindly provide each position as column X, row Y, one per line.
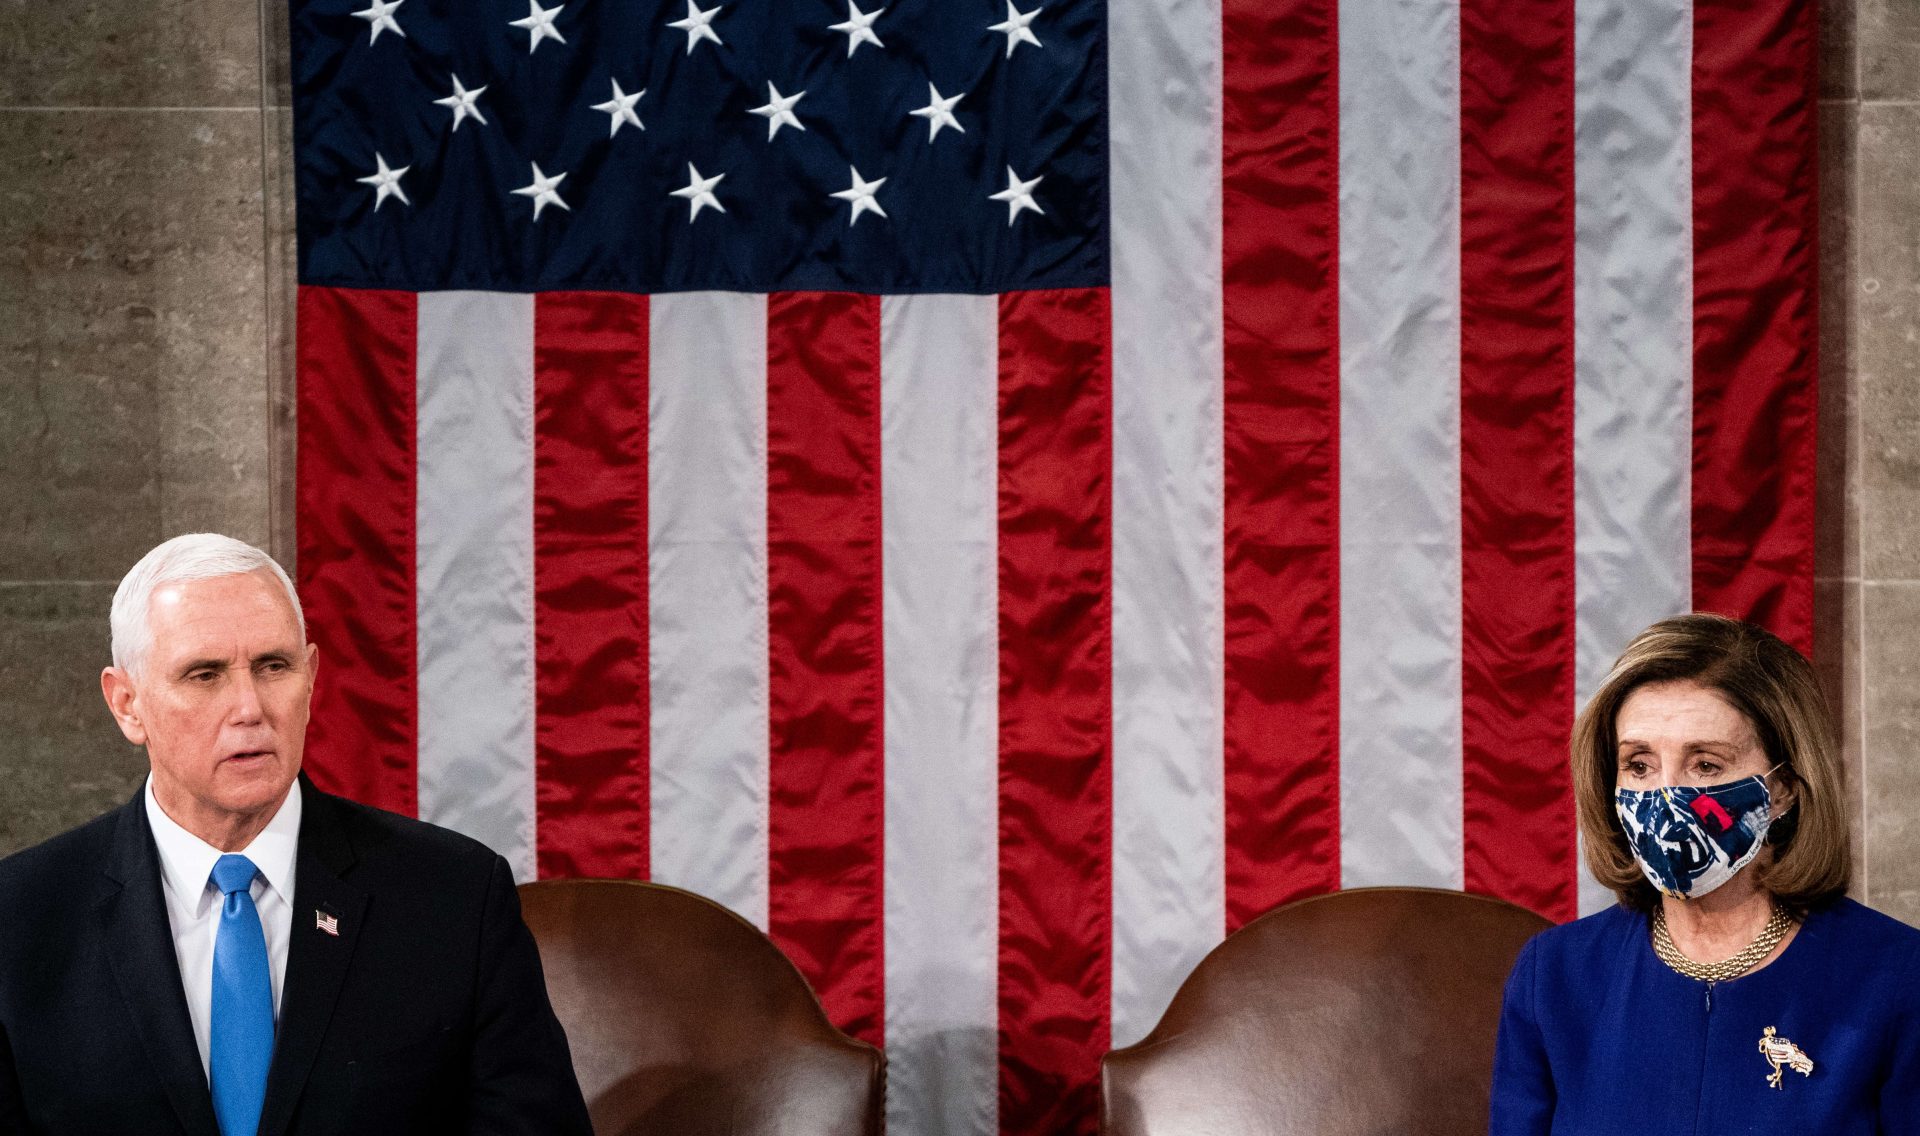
column 1015, row 28
column 939, row 112
column 619, row 109
column 779, row 111
column 698, row 25
column 385, row 183
column 542, row 190
column 539, row 23
column 380, row 15
column 463, row 103
column 1018, row 195
column 698, row 193
column 860, row 195
column 858, row 27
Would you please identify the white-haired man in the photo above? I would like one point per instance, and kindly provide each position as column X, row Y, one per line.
column 235, row 952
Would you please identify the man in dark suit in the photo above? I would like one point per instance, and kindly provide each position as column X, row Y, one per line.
column 234, row 951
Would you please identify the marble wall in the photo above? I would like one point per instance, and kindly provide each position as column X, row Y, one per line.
column 143, row 346
column 145, row 369
column 1869, row 549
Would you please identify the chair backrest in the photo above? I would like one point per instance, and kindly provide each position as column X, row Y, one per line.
column 1370, row 1011
column 683, row 1018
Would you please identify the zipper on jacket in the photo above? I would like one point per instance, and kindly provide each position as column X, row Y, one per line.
column 1700, row 1085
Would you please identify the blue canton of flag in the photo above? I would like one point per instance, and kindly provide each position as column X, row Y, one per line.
column 664, row 146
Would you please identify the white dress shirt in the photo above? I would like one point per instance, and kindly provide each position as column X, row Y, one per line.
column 193, row 902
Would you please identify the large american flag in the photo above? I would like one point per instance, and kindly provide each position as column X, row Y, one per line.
column 1001, row 493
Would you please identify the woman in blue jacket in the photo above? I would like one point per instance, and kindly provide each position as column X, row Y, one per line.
column 1734, row 988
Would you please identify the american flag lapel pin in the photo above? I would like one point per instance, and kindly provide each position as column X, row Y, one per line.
column 328, row 923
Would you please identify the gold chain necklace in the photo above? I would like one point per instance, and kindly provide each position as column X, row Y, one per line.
column 1778, row 924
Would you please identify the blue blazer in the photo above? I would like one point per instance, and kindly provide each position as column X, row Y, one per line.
column 426, row 1012
column 1597, row 1035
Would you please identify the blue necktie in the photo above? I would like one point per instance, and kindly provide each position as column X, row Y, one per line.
column 242, row 1043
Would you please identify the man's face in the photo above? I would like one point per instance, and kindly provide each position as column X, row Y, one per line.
column 220, row 701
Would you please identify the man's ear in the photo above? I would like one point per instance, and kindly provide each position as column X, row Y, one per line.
column 123, row 700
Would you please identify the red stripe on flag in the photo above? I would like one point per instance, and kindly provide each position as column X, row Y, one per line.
column 1056, row 721
column 1754, row 311
column 590, row 584
column 1282, row 420
column 1516, row 450
column 355, row 510
column 824, row 824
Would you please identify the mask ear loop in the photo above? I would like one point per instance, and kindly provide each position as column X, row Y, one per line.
column 1773, row 825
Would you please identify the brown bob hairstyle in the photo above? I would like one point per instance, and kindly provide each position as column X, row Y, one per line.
column 1774, row 688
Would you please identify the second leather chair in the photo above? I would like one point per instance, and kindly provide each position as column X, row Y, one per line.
column 1362, row 1013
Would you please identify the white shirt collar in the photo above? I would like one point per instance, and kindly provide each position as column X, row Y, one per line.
column 186, row 861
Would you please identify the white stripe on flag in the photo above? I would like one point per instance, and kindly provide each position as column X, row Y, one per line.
column 1169, row 904
column 1400, row 642
column 474, row 565
column 707, row 595
column 939, row 375
column 1633, row 330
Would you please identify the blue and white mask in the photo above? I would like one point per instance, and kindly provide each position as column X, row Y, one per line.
column 1689, row 839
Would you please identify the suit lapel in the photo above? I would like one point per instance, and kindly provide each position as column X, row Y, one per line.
column 140, row 951
column 317, row 957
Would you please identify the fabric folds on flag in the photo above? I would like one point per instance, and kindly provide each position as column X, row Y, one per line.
column 1002, row 494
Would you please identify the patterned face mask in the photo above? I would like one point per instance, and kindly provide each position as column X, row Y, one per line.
column 1690, row 840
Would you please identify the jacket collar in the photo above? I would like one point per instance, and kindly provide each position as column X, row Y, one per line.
column 327, row 916
column 140, row 952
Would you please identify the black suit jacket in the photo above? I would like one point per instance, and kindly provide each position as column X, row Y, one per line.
column 427, row 1012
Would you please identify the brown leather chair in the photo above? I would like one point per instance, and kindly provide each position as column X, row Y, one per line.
column 685, row 1020
column 1370, row 1011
